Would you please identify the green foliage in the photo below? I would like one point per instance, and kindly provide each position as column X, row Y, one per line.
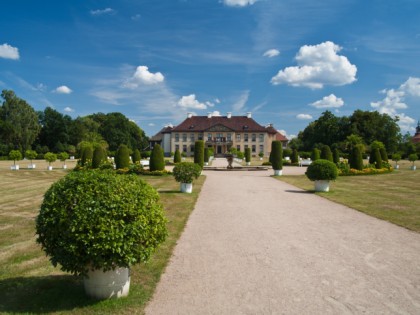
column 63, row 156
column 316, row 154
column 99, row 219
column 336, row 156
column 261, row 154
column 384, row 155
column 322, row 170
column 326, row 153
column 248, row 155
column 413, row 157
column 186, row 172
column 206, row 155
column 31, row 154
column 50, row 157
column 356, row 160
column 287, row 152
column 146, row 154
column 211, row 152
column 86, row 153
column 177, row 156
column 240, row 155
column 199, row 153
column 184, row 154
column 295, row 156
column 15, row 155
column 376, row 145
column 157, row 161
column 98, row 157
column 136, row 156
column 277, row 155
column 396, row 157
column 377, row 159
column 122, row 157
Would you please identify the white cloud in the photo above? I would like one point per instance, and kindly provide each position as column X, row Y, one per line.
column 103, row 11
column 216, row 100
column 68, row 110
column 271, row 53
column 63, row 90
column 9, row 52
column 209, row 104
column 330, row 101
column 240, row 103
column 151, row 124
column 284, row 133
column 239, row 3
column 304, row 116
column 411, row 86
column 144, row 76
column 216, row 113
column 318, row 65
column 191, row 102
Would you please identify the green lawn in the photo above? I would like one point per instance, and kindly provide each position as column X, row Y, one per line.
column 392, row 197
column 29, row 283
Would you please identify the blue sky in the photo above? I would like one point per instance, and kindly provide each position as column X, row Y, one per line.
column 286, row 61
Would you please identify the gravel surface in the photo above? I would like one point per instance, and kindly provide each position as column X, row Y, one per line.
column 255, row 245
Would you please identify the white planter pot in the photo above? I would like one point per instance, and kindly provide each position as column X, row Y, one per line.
column 322, row 185
column 397, row 167
column 49, row 167
column 186, row 188
column 248, row 163
column 64, row 167
column 206, row 163
column 278, row 172
column 14, row 167
column 31, row 166
column 108, row 284
column 413, row 167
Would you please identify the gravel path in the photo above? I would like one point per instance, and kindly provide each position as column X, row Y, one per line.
column 254, row 245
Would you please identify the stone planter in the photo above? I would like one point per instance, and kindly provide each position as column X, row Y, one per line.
column 31, row 166
column 14, row 167
column 278, row 172
column 108, row 284
column 186, row 188
column 322, row 185
column 413, row 167
column 49, row 167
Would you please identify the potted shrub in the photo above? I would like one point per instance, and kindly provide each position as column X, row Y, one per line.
column 15, row 155
column 177, row 156
column 412, row 158
column 322, row 172
column 30, row 155
column 396, row 157
column 63, row 156
column 185, row 173
column 50, row 158
column 261, row 155
column 277, row 157
column 97, row 224
column 248, row 156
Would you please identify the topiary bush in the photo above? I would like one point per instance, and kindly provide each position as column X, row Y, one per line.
column 136, row 156
column 86, row 155
column 377, row 159
column 15, row 155
column 186, row 172
column 413, row 157
column 384, row 155
column 316, row 154
column 50, row 157
column 240, row 155
column 177, row 156
column 199, row 153
column 31, row 154
column 248, row 155
column 98, row 157
column 206, row 155
column 157, row 160
column 100, row 220
column 277, row 155
column 122, row 157
column 356, row 160
column 322, row 170
column 336, row 156
column 295, row 156
column 326, row 153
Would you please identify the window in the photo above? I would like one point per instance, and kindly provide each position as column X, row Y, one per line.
column 184, row 148
column 184, row 137
column 261, row 148
column 192, row 137
column 238, row 137
column 254, row 149
column 254, row 137
column 219, row 137
column 209, row 137
column 238, row 147
column 177, row 137
column 200, row 136
column 229, row 137
column 176, row 147
column 261, row 137
column 246, row 137
column 192, row 148
column 245, row 147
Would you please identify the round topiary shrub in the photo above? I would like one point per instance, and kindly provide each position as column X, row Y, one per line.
column 326, row 153
column 50, row 157
column 157, row 160
column 177, row 156
column 98, row 157
column 122, row 157
column 186, row 172
column 199, row 153
column 322, row 170
column 248, row 155
column 100, row 220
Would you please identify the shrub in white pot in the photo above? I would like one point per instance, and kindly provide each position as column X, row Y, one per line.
column 15, row 155
column 248, row 156
column 185, row 173
column 322, row 172
column 63, row 156
column 50, row 158
column 412, row 158
column 97, row 224
column 396, row 157
column 276, row 157
column 30, row 155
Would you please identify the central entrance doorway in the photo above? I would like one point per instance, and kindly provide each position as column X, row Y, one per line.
column 219, row 149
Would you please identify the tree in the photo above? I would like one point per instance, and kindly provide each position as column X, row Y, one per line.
column 199, row 153
column 31, row 154
column 86, row 153
column 122, row 157
column 206, row 155
column 295, row 156
column 336, row 156
column 157, row 161
column 15, row 155
column 136, row 156
column 384, row 155
column 326, row 153
column 316, row 154
column 356, row 160
column 55, row 129
column 377, row 160
column 63, row 156
column 98, row 157
column 277, row 155
column 19, row 126
column 248, row 155
column 177, row 156
column 50, row 157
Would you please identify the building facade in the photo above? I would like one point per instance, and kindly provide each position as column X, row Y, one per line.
column 220, row 133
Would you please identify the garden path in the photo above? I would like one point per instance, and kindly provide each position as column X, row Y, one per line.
column 254, row 245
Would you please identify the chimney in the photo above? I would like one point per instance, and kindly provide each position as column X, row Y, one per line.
column 208, row 115
column 248, row 115
column 229, row 115
column 189, row 115
column 270, row 125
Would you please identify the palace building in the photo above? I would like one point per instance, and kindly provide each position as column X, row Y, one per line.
column 220, row 133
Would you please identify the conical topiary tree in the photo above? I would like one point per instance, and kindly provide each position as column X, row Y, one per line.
column 277, row 156
column 177, row 156
column 136, row 156
column 295, row 156
column 248, row 155
column 122, row 157
column 86, row 155
column 336, row 156
column 157, row 161
column 316, row 154
column 384, row 155
column 199, row 153
column 377, row 159
column 206, row 155
column 356, row 160
column 326, row 153
column 98, row 157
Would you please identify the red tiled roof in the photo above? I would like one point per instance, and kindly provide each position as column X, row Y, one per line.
column 235, row 123
column 159, row 135
column 280, row 137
